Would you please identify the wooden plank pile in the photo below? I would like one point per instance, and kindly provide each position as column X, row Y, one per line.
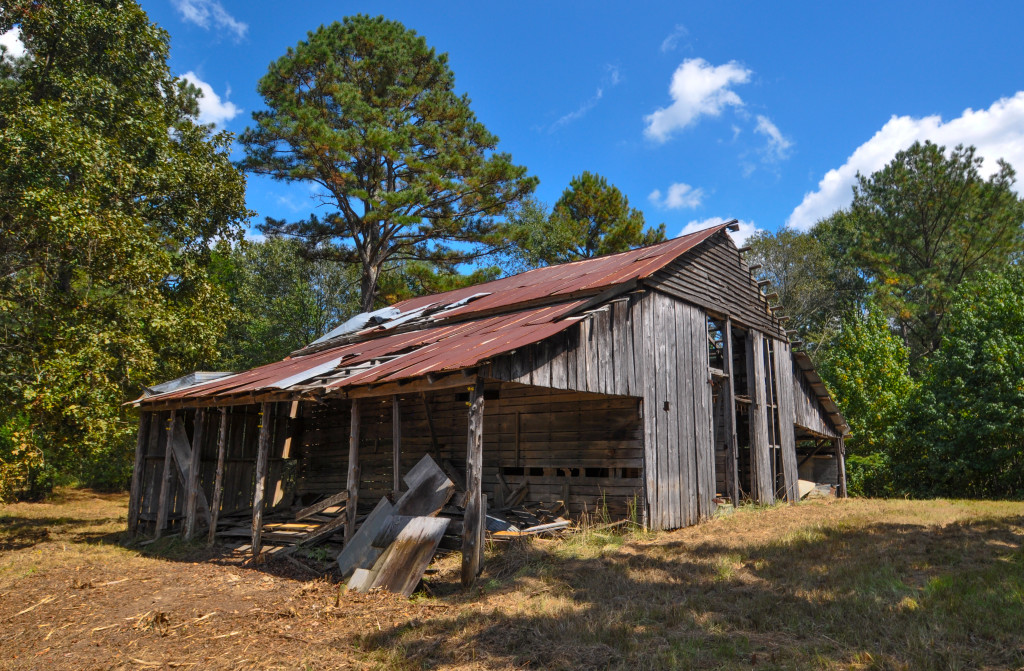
column 396, row 542
column 308, row 527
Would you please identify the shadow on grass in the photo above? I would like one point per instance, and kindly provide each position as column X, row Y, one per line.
column 18, row 533
column 878, row 596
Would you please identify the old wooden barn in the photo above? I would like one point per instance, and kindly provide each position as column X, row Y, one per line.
column 657, row 382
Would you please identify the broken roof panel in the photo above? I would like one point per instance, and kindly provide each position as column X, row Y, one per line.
column 393, row 357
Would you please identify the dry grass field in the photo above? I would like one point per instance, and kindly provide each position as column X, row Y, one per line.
column 862, row 584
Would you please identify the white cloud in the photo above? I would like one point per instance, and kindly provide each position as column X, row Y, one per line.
column 672, row 41
column 211, row 108
column 679, row 196
column 613, row 78
column 614, row 74
column 778, row 144
column 12, row 40
column 210, row 14
column 697, row 89
column 996, row 132
column 579, row 112
column 747, row 228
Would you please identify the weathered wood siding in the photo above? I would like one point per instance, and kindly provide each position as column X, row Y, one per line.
column 239, row 463
column 655, row 347
column 583, row 448
column 715, row 276
column 762, row 487
column 809, row 413
column 787, row 418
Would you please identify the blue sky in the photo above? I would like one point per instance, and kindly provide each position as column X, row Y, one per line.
column 759, row 111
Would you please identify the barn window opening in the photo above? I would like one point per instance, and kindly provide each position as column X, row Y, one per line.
column 597, row 472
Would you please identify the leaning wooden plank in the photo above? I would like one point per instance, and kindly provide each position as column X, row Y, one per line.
column 322, row 505
column 429, row 489
column 359, row 551
column 360, row 580
column 182, row 453
column 403, row 566
column 324, row 532
column 530, row 531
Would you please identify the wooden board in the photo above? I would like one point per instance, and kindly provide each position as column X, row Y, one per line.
column 402, row 567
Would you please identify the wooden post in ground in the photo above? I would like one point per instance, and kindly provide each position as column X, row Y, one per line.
column 166, row 479
column 475, row 517
column 732, row 469
column 138, row 471
column 192, row 486
column 396, row 445
column 218, row 483
column 841, row 465
column 353, row 471
column 262, row 463
column 761, row 481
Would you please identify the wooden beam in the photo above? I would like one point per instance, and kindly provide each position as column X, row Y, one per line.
column 396, row 446
column 166, row 478
column 818, row 444
column 761, row 480
column 732, row 476
column 262, row 463
column 138, row 471
column 218, row 482
column 453, row 381
column 475, row 518
column 841, row 465
column 192, row 485
column 430, row 426
column 353, row 471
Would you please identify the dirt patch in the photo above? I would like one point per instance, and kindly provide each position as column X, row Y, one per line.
column 859, row 584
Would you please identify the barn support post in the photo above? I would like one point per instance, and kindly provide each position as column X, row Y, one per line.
column 475, row 517
column 218, row 482
column 787, row 419
column 841, row 465
column 430, row 426
column 353, row 471
column 138, row 470
column 762, row 486
column 192, row 486
column 166, row 478
column 396, row 446
column 732, row 474
column 262, row 464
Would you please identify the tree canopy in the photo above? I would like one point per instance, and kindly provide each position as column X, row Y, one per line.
column 368, row 112
column 281, row 300
column 591, row 218
column 112, row 194
column 924, row 224
column 965, row 436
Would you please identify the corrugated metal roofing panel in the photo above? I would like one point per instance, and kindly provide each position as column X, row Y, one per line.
column 405, row 355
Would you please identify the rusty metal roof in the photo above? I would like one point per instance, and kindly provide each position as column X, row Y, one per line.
column 566, row 279
column 445, row 332
column 398, row 356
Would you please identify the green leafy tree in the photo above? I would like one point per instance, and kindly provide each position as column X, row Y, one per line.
column 368, row 112
column 591, row 218
column 966, row 434
column 112, row 193
column 816, row 289
column 282, row 300
column 865, row 366
column 924, row 224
